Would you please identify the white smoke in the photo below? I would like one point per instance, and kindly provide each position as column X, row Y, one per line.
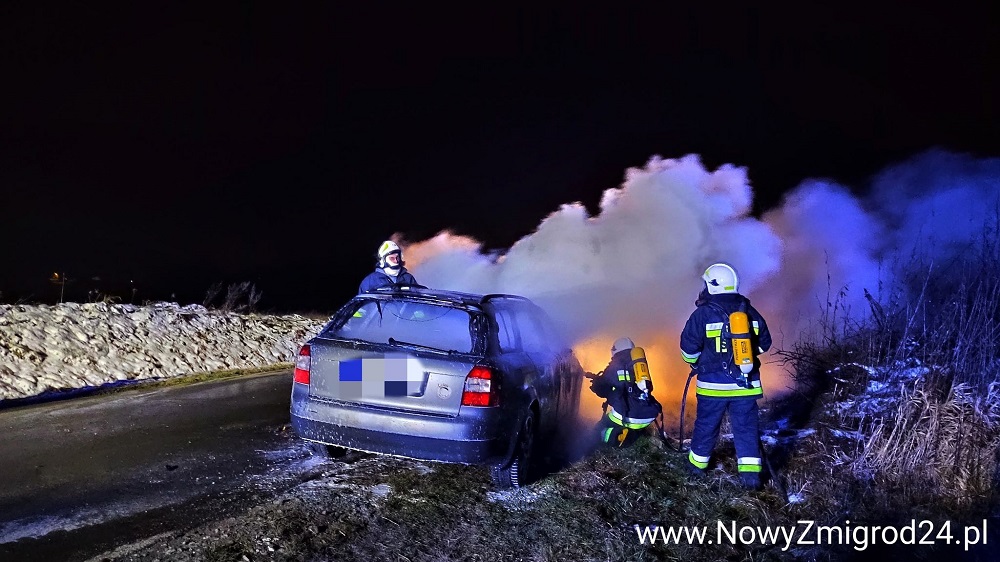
column 634, row 268
column 931, row 208
column 830, row 257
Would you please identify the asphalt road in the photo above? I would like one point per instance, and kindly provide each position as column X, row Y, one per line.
column 80, row 476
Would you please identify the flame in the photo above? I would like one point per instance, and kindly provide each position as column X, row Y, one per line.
column 669, row 373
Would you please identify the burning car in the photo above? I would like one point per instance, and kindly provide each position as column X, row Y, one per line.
column 438, row 375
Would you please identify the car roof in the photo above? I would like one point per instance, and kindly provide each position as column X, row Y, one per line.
column 451, row 297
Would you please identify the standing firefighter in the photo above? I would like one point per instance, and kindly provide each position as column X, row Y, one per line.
column 721, row 341
column 627, row 387
column 389, row 271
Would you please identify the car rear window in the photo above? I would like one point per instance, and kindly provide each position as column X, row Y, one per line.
column 425, row 324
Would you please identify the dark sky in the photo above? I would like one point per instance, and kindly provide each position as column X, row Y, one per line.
column 166, row 150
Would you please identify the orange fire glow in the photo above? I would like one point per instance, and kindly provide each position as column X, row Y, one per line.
column 668, row 370
column 669, row 373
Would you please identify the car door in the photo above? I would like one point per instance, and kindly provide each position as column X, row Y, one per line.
column 568, row 374
column 536, row 342
column 512, row 358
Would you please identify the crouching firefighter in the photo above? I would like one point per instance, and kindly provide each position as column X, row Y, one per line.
column 626, row 386
column 721, row 341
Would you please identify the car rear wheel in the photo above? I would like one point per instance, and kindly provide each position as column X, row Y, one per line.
column 516, row 473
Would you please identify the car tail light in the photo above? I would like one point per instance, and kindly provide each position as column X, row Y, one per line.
column 302, row 364
column 480, row 387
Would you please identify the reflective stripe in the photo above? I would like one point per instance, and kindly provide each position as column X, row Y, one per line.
column 631, row 423
column 713, row 330
column 756, row 327
column 697, row 457
column 748, row 467
column 725, row 385
column 690, row 357
column 623, row 375
column 698, row 460
column 730, row 393
column 761, row 349
column 607, row 434
column 748, row 460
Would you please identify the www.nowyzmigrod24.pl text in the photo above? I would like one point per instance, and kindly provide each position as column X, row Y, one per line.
column 809, row 533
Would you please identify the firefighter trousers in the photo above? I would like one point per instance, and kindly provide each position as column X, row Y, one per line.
column 743, row 416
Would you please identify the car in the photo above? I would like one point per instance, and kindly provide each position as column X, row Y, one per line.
column 438, row 375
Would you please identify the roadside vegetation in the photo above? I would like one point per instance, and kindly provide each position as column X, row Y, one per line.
column 240, row 297
column 902, row 406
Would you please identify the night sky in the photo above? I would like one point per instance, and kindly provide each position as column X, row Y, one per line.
column 166, row 150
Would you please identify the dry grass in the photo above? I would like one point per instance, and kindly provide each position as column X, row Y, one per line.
column 906, row 401
column 947, row 443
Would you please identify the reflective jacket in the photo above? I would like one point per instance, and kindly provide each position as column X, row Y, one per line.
column 709, row 353
column 379, row 278
column 617, row 385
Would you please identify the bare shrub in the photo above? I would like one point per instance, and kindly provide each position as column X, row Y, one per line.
column 234, row 294
column 211, row 293
column 241, row 297
column 253, row 297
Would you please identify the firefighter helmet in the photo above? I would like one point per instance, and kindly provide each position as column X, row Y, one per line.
column 385, row 250
column 620, row 344
column 721, row 278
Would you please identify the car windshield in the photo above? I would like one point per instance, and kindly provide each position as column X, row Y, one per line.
column 422, row 324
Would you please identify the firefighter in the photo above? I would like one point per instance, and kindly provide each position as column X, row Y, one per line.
column 626, row 386
column 707, row 344
column 389, row 270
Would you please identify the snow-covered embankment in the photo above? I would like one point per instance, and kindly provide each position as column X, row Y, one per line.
column 70, row 346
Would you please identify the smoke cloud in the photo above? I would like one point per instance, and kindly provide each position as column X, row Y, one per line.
column 634, row 268
column 937, row 204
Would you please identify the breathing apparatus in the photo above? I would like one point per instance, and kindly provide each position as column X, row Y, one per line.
column 739, row 328
column 640, row 370
column 637, row 364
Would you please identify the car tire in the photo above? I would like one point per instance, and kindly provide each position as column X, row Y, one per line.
column 517, row 471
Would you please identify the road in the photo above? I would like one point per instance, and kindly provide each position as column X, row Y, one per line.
column 82, row 475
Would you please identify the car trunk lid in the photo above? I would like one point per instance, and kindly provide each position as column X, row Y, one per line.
column 389, row 377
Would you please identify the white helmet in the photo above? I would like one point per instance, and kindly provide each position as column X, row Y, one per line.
column 620, row 344
column 721, row 278
column 389, row 247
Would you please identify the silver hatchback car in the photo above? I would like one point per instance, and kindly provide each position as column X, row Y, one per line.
column 438, row 375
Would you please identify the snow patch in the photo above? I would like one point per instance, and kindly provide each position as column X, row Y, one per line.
column 796, row 498
column 33, row 527
column 517, row 499
column 45, row 349
column 853, row 435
